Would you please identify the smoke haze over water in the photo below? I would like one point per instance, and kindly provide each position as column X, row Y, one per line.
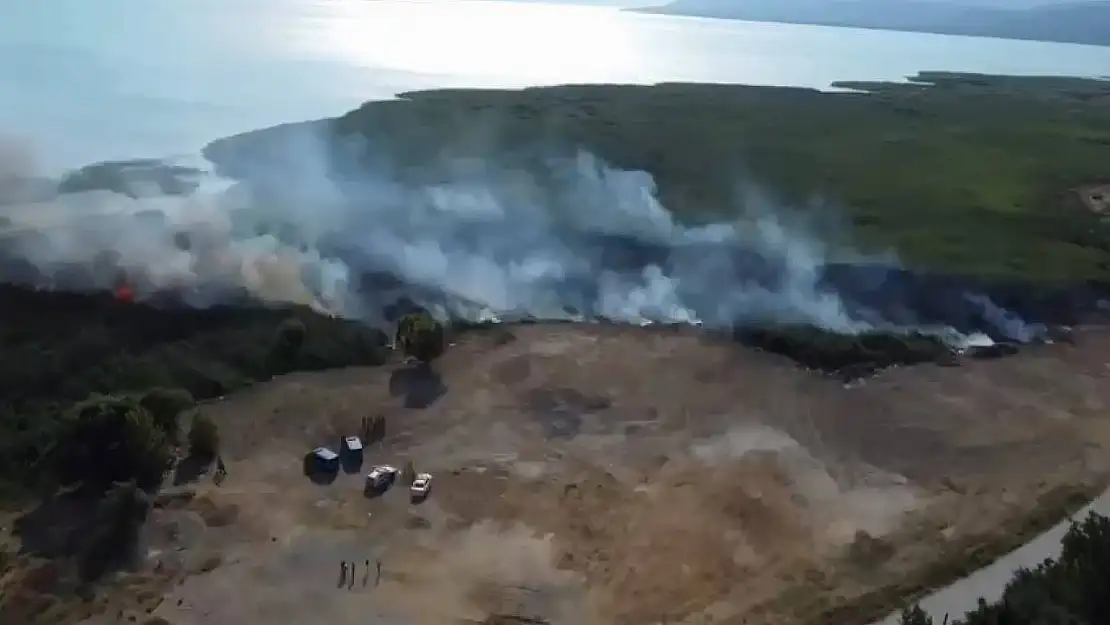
column 577, row 240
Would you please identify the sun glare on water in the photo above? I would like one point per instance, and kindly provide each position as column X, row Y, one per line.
column 495, row 40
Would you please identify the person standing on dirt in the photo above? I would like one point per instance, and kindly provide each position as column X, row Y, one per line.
column 342, row 573
column 366, row 575
column 221, row 471
column 378, row 578
column 351, row 580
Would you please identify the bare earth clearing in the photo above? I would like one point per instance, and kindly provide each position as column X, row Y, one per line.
column 597, row 475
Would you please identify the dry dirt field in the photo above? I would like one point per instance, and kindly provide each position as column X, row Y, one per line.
column 603, row 475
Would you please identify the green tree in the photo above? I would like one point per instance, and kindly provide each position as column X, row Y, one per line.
column 291, row 333
column 290, row 339
column 421, row 337
column 1071, row 590
column 204, row 438
column 108, row 439
column 165, row 405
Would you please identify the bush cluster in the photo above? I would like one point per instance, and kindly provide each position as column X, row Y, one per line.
column 421, row 337
column 846, row 354
column 1073, row 589
column 204, row 438
column 83, row 372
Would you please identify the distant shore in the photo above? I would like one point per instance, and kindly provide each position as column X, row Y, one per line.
column 1028, row 30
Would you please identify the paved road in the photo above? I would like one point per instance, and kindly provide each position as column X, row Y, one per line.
column 959, row 597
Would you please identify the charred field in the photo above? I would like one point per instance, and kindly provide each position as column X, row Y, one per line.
column 833, row 404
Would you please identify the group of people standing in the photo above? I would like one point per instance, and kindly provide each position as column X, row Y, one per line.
column 347, row 572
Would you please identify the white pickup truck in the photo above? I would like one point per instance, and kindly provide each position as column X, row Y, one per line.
column 421, row 486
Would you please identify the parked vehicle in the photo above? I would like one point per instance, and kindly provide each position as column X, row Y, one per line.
column 350, row 454
column 380, row 479
column 325, row 460
column 352, row 445
column 420, row 487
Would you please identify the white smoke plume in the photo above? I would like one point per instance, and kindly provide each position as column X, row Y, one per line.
column 484, row 240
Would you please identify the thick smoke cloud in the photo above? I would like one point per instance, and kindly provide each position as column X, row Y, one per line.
column 575, row 239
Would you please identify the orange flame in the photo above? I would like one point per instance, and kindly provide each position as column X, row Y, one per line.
column 125, row 293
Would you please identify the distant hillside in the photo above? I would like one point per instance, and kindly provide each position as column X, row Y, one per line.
column 1076, row 22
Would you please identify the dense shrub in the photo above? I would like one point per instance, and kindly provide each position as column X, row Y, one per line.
column 823, row 350
column 1071, row 590
column 204, row 438
column 164, row 406
column 107, row 439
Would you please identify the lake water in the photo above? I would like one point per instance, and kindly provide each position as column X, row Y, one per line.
column 84, row 80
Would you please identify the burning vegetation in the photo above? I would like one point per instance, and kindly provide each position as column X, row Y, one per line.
column 124, row 293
